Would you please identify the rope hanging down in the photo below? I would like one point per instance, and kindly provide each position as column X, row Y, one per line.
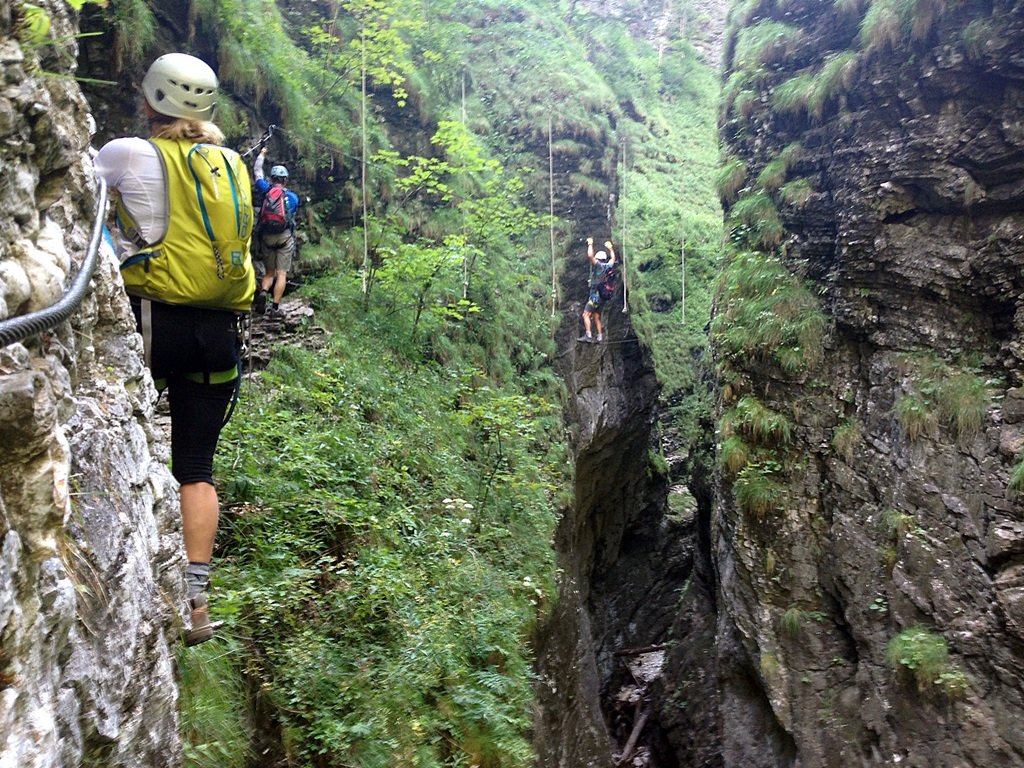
column 20, row 328
column 622, row 203
column 551, row 216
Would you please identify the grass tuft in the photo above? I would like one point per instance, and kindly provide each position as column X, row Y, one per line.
column 924, row 656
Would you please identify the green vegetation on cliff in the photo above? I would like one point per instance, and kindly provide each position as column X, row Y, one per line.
column 385, row 550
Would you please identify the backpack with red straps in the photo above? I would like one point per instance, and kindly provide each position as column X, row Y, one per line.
column 609, row 282
column 274, row 217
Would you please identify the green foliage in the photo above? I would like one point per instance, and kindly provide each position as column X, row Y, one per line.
column 134, row 29
column 811, row 91
column 733, row 454
column 398, row 552
column 796, row 192
column 898, row 523
column 774, row 173
column 845, row 439
column 963, row 401
column 924, row 655
column 916, row 416
column 758, row 488
column 214, row 722
column 941, row 394
column 1017, row 476
column 766, row 314
column 732, row 175
column 759, row 423
column 789, row 624
column 759, row 218
column 890, row 22
column 977, row 36
column 766, row 42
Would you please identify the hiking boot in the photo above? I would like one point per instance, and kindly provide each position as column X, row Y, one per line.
column 259, row 304
column 202, row 627
column 275, row 312
column 600, row 338
column 587, row 339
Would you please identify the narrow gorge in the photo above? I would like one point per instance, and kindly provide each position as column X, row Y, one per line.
column 820, row 566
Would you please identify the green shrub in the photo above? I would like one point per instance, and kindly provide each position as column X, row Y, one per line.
column 963, row 401
column 796, row 192
column 766, row 42
column 897, row 523
column 1017, row 476
column 789, row 624
column 758, row 214
column 761, row 424
column 757, row 488
column 811, row 91
column 767, row 314
column 924, row 655
column 732, row 175
column 794, row 94
column 957, row 399
column 977, row 36
column 890, row 22
column 733, row 454
column 916, row 416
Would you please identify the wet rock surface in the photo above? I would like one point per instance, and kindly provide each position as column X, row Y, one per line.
column 91, row 563
column 913, row 242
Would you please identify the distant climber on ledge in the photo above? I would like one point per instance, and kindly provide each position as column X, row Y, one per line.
column 603, row 274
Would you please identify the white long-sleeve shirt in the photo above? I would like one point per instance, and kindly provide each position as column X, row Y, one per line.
column 132, row 167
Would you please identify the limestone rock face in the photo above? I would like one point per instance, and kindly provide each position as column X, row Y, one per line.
column 893, row 519
column 90, row 554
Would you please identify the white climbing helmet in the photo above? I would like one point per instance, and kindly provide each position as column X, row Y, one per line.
column 279, row 172
column 601, row 256
column 179, row 85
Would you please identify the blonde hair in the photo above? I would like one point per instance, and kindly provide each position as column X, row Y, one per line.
column 198, row 131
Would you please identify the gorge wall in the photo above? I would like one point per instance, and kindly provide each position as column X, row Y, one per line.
column 91, row 563
column 864, row 595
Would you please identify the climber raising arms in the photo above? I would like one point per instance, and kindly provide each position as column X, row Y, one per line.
column 602, row 286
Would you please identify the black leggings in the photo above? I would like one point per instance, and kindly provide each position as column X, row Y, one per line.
column 186, row 347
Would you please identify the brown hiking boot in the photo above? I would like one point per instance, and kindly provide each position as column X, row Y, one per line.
column 202, row 628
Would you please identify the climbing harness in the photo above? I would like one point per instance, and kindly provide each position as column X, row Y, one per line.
column 20, row 328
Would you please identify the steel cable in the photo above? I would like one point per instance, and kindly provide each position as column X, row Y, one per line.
column 20, row 328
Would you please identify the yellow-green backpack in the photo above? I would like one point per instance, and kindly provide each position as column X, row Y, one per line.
column 203, row 260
